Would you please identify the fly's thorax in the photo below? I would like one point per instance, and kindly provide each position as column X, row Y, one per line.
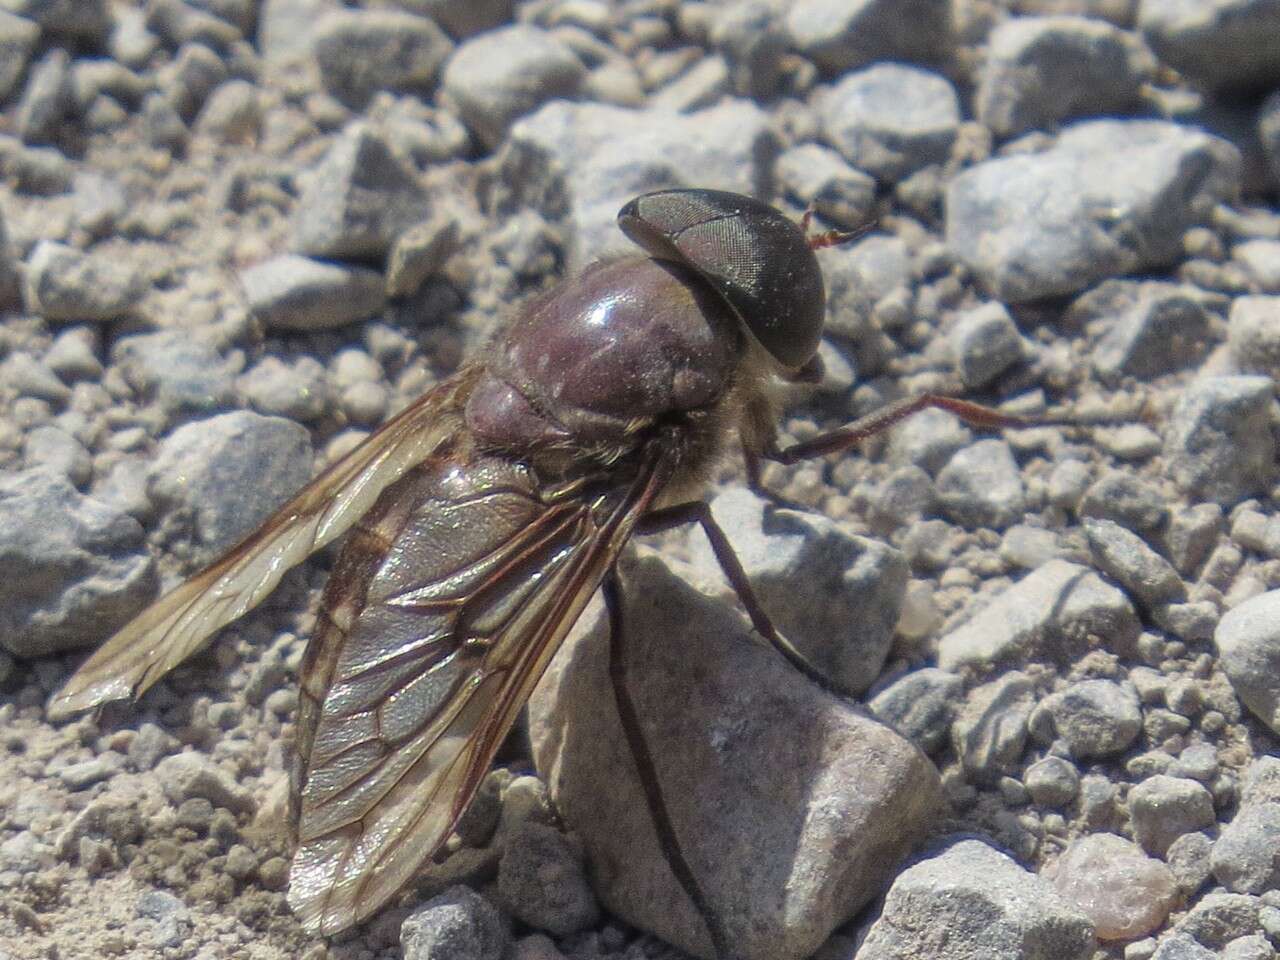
column 604, row 360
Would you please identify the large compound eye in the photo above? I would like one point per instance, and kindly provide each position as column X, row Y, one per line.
column 756, row 259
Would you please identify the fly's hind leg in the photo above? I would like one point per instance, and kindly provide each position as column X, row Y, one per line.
column 648, row 773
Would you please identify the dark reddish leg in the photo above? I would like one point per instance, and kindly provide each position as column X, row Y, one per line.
column 648, row 773
column 699, row 512
column 878, row 420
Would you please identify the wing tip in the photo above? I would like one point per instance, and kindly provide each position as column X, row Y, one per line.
column 76, row 698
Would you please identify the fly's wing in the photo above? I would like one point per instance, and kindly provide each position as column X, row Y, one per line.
column 176, row 625
column 412, row 697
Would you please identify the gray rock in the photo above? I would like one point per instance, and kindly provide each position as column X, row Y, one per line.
column 75, row 568
column 1052, row 782
column 981, row 486
column 842, row 35
column 752, row 38
column 1032, row 225
column 928, row 439
column 9, row 292
column 82, row 775
column 151, row 744
column 163, row 125
column 458, row 925
column 1218, row 442
column 1041, row 71
column 891, row 120
column 287, row 28
column 1125, row 893
column 1248, row 645
column 18, row 37
column 177, row 368
column 584, row 160
column 499, row 76
column 986, row 343
column 754, row 753
column 836, row 597
column 1163, row 808
column 232, row 113
column 1253, row 337
column 290, row 292
column 1191, row 535
column 360, row 52
column 465, row 18
column 1253, row 947
column 191, row 77
column 1130, row 501
column 73, row 355
column 1220, row 918
column 419, row 252
column 1269, row 133
column 859, row 277
column 1095, row 718
column 990, row 732
column 182, row 22
column 186, row 776
column 298, row 391
column 905, row 494
column 1228, row 46
column 1058, row 601
column 542, row 881
column 1261, row 781
column 1246, row 855
column 358, row 200
column 1166, row 329
column 818, row 177
column 131, row 43
column 100, row 203
column 229, row 472
column 1189, row 859
column 1127, row 558
column 699, row 86
column 1261, row 261
column 972, row 901
column 1179, row 946
column 68, row 21
column 59, row 452
column 920, row 706
column 1199, row 761
column 31, row 378
column 47, row 100
column 65, row 285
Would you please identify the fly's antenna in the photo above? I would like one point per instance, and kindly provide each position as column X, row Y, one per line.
column 833, row 238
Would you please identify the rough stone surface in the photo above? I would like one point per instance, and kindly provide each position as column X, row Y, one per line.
column 1246, row 855
column 62, row 284
column 1094, row 718
column 499, row 76
column 1032, row 226
column 290, row 292
column 458, row 923
column 920, row 706
column 1229, row 46
column 843, row 35
column 972, row 901
column 74, row 578
column 360, row 52
column 1164, row 808
column 1248, row 645
column 836, row 597
column 981, row 486
column 1219, row 442
column 874, row 790
column 230, row 472
column 1056, row 601
column 358, row 200
column 890, row 120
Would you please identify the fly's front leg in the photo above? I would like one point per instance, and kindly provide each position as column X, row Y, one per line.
column 648, row 773
column 842, row 439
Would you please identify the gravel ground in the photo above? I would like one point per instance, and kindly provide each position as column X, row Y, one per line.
column 236, row 236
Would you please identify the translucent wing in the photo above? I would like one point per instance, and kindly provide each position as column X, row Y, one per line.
column 405, row 702
column 176, row 625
